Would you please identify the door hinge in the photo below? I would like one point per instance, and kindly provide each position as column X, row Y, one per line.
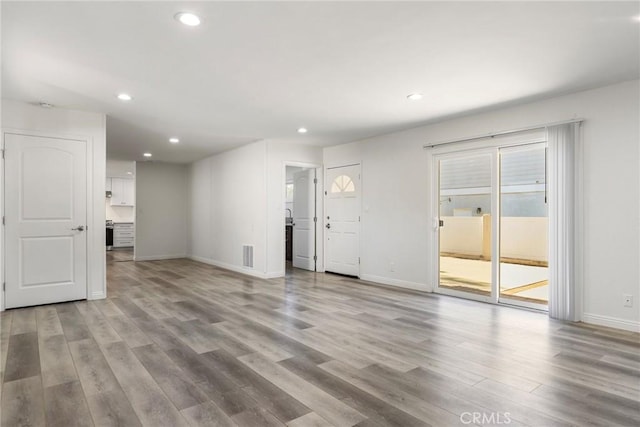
column 2, row 219
column 358, row 218
column 315, row 180
column 4, row 286
column 315, row 257
column 358, row 260
column 3, row 153
column 315, row 219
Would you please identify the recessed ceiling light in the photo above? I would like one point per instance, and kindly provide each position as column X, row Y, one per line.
column 414, row 96
column 174, row 140
column 124, row 97
column 636, row 18
column 188, row 18
column 147, row 154
column 302, row 130
column 129, row 173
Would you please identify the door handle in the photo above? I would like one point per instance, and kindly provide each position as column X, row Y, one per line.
column 328, row 225
column 79, row 228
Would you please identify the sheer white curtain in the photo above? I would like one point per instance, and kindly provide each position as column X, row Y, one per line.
column 563, row 226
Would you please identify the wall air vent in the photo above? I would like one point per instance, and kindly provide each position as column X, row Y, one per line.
column 247, row 256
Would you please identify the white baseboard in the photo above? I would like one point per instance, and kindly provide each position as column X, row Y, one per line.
column 231, row 267
column 158, row 257
column 97, row 295
column 611, row 322
column 274, row 275
column 396, row 282
column 200, row 259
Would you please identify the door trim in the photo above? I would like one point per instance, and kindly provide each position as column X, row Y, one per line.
column 499, row 151
column 93, row 228
column 491, row 147
column 495, row 203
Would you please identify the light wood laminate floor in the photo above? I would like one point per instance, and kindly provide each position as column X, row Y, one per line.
column 182, row 343
column 119, row 255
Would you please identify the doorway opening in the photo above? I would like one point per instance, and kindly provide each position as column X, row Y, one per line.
column 493, row 224
column 301, row 217
column 120, row 210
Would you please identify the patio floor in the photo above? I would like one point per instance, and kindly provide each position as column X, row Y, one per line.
column 517, row 281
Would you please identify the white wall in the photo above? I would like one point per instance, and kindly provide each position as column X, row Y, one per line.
column 396, row 174
column 120, row 169
column 229, row 206
column 161, row 211
column 227, row 199
column 278, row 155
column 394, row 222
column 92, row 126
column 200, row 242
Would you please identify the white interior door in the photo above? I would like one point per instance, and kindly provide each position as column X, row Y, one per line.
column 45, row 210
column 304, row 208
column 342, row 208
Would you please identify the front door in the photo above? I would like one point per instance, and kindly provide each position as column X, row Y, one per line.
column 46, row 217
column 343, row 220
column 304, row 212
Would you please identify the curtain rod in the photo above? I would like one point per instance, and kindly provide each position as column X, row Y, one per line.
column 506, row 132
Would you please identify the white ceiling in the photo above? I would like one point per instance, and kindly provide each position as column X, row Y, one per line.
column 260, row 70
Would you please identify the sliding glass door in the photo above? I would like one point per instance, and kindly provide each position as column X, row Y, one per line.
column 524, row 225
column 465, row 206
column 492, row 224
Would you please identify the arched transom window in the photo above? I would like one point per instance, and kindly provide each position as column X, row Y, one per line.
column 343, row 184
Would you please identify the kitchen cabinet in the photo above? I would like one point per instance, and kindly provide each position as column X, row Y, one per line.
column 122, row 192
column 123, row 234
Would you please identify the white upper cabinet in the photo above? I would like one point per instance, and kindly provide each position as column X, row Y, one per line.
column 122, row 192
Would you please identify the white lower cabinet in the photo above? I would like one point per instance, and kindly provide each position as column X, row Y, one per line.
column 123, row 234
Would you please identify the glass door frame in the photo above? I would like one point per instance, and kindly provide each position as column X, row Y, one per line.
column 459, row 151
column 512, row 149
column 495, row 270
